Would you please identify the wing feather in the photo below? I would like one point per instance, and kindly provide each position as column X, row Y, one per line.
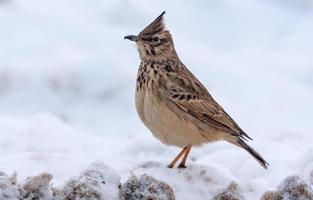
column 191, row 97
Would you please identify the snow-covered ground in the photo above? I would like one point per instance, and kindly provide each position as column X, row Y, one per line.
column 67, row 88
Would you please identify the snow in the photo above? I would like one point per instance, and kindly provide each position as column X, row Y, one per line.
column 67, row 89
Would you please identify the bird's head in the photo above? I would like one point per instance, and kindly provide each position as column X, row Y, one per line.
column 154, row 42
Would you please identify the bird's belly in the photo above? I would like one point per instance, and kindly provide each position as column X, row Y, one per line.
column 166, row 125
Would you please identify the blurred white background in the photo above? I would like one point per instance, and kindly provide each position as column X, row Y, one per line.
column 64, row 65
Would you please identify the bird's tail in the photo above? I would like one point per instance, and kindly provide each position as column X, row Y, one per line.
column 252, row 152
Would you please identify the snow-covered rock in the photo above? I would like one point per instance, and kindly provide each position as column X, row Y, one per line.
column 291, row 188
column 8, row 187
column 97, row 182
column 146, row 187
column 294, row 188
column 36, row 187
column 232, row 192
column 272, row 195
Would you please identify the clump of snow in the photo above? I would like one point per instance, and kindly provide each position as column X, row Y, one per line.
column 291, row 188
column 8, row 187
column 36, row 187
column 232, row 192
column 97, row 182
column 146, row 187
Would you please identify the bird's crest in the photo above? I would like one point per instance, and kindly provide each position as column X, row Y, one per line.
column 154, row 27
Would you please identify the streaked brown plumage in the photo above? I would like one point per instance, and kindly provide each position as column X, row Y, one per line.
column 173, row 103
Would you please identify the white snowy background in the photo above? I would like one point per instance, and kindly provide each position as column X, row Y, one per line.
column 67, row 82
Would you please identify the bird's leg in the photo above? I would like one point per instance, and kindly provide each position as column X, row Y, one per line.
column 183, row 162
column 171, row 165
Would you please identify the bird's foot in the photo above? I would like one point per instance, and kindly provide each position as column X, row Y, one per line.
column 182, row 166
column 170, row 166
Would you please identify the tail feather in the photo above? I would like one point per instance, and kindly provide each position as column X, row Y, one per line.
column 252, row 152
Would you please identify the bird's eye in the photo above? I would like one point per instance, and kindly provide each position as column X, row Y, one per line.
column 156, row 39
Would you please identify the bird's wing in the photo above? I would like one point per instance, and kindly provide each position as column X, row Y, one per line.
column 187, row 96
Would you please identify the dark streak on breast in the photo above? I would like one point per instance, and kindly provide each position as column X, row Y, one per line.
column 168, row 68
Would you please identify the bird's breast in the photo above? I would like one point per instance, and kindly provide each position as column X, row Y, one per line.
column 154, row 111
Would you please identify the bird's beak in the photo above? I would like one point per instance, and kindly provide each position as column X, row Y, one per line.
column 133, row 38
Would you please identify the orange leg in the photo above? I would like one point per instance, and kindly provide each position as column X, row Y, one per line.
column 171, row 165
column 183, row 162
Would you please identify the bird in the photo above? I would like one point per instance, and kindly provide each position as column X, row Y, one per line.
column 173, row 104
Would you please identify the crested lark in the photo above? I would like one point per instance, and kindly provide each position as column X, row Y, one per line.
column 173, row 103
